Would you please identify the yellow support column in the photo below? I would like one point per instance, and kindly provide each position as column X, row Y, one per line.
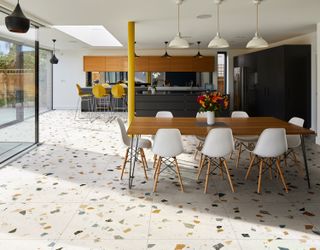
column 131, row 72
column 148, row 77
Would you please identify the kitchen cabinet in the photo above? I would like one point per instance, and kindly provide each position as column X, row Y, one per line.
column 283, row 82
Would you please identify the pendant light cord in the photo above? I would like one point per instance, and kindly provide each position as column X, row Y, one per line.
column 218, row 19
column 179, row 19
column 257, row 20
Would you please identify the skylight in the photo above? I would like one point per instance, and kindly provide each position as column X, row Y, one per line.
column 94, row 35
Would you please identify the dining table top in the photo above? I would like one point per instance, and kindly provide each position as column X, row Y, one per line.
column 199, row 127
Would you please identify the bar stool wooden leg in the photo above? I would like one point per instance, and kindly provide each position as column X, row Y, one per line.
column 143, row 163
column 281, row 175
column 178, row 173
column 157, row 174
column 201, row 163
column 228, row 175
column 124, row 163
column 260, row 176
column 239, row 153
column 250, row 166
column 207, row 176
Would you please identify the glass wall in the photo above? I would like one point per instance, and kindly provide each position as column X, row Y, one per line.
column 18, row 92
column 45, row 81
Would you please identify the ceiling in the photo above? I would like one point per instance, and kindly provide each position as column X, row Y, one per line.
column 156, row 19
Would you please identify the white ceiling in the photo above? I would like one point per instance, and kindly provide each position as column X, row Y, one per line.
column 156, row 19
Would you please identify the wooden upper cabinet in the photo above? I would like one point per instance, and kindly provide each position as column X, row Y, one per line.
column 181, row 64
column 94, row 63
column 116, row 64
column 142, row 64
column 159, row 64
column 204, row 64
column 149, row 64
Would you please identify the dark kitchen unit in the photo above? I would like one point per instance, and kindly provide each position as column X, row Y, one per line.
column 274, row 82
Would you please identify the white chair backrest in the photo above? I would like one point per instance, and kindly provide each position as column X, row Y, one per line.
column 271, row 143
column 297, row 121
column 201, row 115
column 219, row 143
column 239, row 114
column 164, row 114
column 124, row 135
column 295, row 140
column 168, row 143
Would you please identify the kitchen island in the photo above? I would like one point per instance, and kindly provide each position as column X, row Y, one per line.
column 181, row 101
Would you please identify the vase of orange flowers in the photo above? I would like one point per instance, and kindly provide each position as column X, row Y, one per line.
column 212, row 103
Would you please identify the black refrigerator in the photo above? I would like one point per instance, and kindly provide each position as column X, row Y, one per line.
column 245, row 87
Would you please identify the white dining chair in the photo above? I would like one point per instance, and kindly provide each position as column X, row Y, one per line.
column 164, row 114
column 167, row 146
column 294, row 141
column 243, row 142
column 142, row 144
column 271, row 145
column 218, row 144
column 161, row 114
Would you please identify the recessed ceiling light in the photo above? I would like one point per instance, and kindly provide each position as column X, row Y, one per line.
column 204, row 16
column 94, row 35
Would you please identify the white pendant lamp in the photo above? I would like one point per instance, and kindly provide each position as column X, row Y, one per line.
column 257, row 42
column 178, row 42
column 218, row 42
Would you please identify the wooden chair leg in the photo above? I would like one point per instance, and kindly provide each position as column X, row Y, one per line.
column 124, row 163
column 156, row 166
column 270, row 169
column 201, row 163
column 220, row 167
column 143, row 160
column 154, row 161
column 228, row 175
column 239, row 154
column 207, row 177
column 260, row 176
column 250, row 166
column 281, row 175
column 157, row 174
column 178, row 173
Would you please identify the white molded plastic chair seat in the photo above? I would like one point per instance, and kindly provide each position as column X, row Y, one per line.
column 167, row 145
column 272, row 144
column 244, row 140
column 218, row 144
column 164, row 114
column 294, row 141
column 142, row 143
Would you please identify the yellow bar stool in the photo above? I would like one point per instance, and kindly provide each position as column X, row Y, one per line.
column 83, row 98
column 118, row 98
column 101, row 100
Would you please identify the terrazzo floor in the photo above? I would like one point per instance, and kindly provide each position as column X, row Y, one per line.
column 66, row 194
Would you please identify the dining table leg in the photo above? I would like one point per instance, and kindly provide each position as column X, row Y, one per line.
column 303, row 147
column 133, row 157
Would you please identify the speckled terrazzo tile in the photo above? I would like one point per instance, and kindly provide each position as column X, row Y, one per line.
column 34, row 221
column 27, row 244
column 180, row 244
column 99, row 244
column 280, row 244
column 189, row 221
column 109, row 221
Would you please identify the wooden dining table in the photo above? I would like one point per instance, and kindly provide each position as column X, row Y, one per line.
column 198, row 126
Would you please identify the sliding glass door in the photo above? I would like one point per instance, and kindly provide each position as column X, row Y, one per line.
column 18, row 91
column 45, row 80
